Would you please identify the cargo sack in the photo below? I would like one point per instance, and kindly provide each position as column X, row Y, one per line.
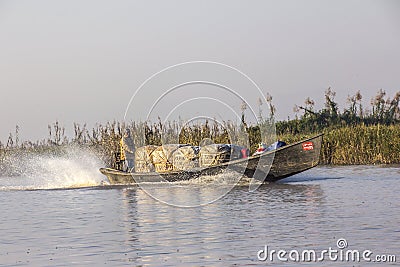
column 186, row 157
column 143, row 159
column 162, row 157
column 163, row 167
column 215, row 154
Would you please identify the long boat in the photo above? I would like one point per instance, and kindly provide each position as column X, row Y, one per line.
column 270, row 166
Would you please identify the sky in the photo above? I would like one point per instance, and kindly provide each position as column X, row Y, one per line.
column 83, row 61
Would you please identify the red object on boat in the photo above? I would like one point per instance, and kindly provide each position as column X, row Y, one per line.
column 308, row 146
column 245, row 153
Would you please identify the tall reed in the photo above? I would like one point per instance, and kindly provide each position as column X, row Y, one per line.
column 375, row 144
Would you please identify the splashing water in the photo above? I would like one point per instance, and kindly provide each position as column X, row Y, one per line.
column 74, row 168
column 226, row 178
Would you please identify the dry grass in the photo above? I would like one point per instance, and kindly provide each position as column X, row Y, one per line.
column 376, row 144
column 362, row 144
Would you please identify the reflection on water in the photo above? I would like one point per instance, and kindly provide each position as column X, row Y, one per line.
column 124, row 226
column 218, row 230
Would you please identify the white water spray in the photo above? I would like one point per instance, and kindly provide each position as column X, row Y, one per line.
column 75, row 168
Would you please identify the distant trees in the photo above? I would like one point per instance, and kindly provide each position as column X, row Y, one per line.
column 383, row 110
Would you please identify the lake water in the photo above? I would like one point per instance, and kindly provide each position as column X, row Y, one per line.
column 45, row 222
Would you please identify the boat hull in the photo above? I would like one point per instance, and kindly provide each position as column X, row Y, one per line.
column 267, row 167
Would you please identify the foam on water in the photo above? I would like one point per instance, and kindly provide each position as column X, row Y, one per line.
column 227, row 178
column 75, row 168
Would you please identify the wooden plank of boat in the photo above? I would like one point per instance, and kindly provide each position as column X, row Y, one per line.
column 268, row 167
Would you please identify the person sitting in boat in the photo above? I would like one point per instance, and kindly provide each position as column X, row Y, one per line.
column 261, row 149
column 127, row 149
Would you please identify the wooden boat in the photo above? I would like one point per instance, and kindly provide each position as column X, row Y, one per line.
column 270, row 166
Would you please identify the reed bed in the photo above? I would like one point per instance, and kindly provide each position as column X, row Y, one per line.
column 359, row 144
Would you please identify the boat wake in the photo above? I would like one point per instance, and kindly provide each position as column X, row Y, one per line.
column 227, row 178
column 74, row 168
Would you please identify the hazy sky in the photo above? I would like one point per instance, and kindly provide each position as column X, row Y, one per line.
column 81, row 61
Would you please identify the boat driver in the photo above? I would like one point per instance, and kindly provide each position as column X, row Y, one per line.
column 127, row 149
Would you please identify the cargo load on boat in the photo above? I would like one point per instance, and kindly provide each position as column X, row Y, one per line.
column 186, row 157
column 144, row 159
column 284, row 162
column 162, row 157
column 215, row 154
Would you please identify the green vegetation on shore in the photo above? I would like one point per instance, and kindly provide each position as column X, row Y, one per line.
column 354, row 136
column 357, row 135
column 357, row 145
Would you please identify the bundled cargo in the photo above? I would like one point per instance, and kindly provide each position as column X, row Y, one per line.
column 186, row 157
column 143, row 159
column 162, row 157
column 215, row 154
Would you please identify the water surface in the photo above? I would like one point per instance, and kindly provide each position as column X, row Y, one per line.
column 123, row 226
